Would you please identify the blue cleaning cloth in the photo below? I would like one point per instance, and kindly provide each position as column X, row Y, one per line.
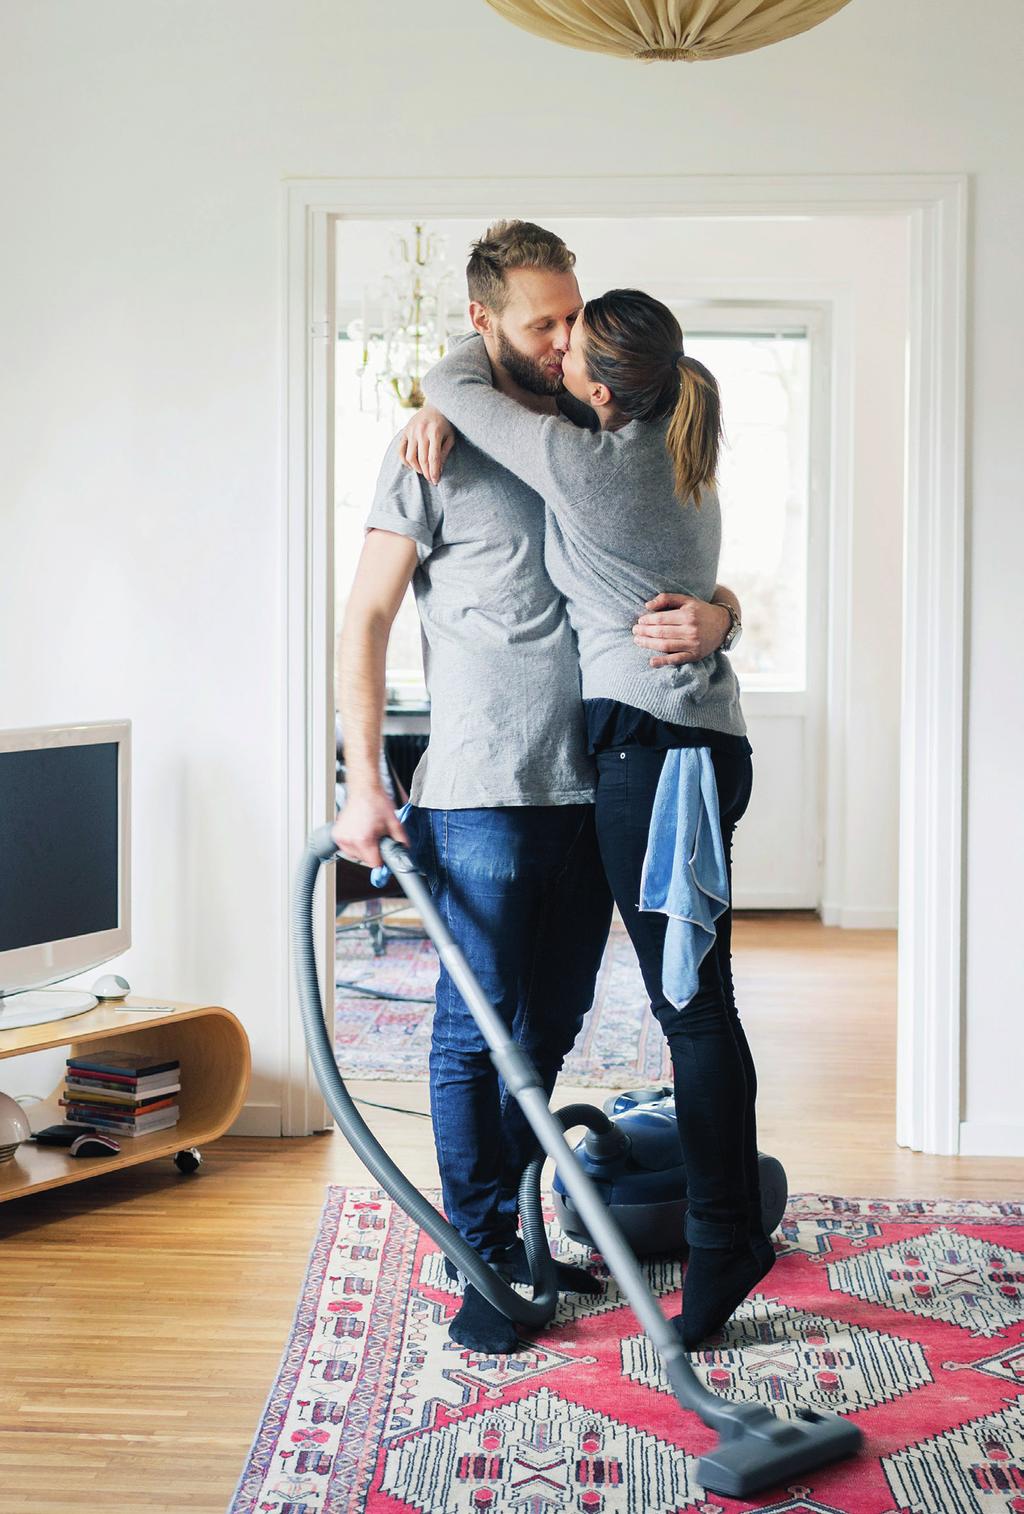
column 684, row 874
column 380, row 875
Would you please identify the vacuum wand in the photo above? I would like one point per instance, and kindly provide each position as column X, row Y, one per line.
column 756, row 1449
column 523, row 1082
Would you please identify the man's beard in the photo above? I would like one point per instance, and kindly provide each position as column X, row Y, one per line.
column 525, row 371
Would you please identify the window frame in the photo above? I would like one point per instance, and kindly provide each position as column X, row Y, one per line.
column 709, row 317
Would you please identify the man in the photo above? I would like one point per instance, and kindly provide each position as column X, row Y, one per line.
column 502, row 823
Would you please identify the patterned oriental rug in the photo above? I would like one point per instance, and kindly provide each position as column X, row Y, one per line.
column 620, row 1046
column 906, row 1315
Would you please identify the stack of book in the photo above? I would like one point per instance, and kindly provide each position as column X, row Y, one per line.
column 122, row 1092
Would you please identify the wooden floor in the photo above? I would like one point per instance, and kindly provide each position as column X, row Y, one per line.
column 143, row 1315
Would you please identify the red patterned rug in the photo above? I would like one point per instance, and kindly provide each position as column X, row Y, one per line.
column 621, row 1045
column 905, row 1314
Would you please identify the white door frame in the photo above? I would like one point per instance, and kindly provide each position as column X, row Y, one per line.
column 931, row 906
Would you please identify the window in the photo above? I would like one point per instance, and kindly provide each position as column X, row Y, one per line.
column 361, row 438
column 765, row 383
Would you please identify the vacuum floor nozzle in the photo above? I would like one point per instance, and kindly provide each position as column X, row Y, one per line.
column 760, row 1451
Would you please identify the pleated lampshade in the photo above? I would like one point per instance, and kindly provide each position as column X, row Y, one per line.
column 667, row 30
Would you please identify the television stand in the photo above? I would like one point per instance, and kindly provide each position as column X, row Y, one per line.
column 208, row 1041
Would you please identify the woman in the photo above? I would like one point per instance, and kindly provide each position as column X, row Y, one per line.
column 630, row 506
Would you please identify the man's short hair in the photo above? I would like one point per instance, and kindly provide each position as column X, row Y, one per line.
column 512, row 244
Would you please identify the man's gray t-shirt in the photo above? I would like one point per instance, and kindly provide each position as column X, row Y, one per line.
column 506, row 714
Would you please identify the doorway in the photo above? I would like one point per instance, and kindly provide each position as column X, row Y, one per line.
column 930, row 1108
column 813, row 552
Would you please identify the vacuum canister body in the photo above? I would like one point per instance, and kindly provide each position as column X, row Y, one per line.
column 641, row 1176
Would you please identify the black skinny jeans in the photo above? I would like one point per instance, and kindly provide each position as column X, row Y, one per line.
column 715, row 1081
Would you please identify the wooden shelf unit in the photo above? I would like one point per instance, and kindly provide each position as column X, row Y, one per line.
column 210, row 1044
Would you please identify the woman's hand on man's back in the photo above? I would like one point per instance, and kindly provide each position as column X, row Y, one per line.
column 426, row 440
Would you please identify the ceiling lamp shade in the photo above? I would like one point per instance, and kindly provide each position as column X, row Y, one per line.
column 667, row 30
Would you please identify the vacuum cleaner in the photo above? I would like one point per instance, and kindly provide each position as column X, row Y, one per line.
column 637, row 1168
column 755, row 1449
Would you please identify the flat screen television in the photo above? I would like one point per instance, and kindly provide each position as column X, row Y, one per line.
column 65, row 864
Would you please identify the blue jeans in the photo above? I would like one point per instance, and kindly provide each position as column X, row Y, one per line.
column 523, row 893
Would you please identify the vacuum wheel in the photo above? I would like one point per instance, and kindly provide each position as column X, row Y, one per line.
column 774, row 1191
column 188, row 1161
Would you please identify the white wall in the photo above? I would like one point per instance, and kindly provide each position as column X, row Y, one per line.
column 143, row 149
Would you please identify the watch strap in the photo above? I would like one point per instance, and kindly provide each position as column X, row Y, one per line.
column 735, row 625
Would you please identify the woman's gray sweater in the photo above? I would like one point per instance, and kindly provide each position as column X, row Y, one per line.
column 615, row 536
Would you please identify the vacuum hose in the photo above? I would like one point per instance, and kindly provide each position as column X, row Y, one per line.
column 756, row 1449
column 537, row 1310
column 523, row 1082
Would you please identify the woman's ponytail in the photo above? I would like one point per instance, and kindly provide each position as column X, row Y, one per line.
column 633, row 345
column 695, row 430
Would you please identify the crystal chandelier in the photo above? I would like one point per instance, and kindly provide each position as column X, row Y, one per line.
column 404, row 326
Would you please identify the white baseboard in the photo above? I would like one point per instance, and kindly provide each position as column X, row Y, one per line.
column 979, row 1140
column 859, row 919
column 258, row 1120
column 771, row 900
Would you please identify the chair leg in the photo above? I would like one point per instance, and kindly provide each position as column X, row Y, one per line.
column 373, row 921
column 399, row 932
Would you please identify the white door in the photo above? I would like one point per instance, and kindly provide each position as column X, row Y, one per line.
column 771, row 369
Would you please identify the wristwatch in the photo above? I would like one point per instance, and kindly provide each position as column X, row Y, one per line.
column 735, row 630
